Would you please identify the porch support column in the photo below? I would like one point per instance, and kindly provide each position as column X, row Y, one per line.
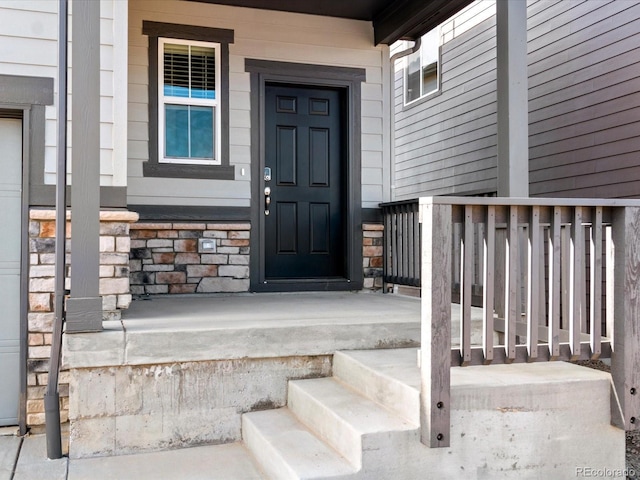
column 84, row 307
column 513, row 106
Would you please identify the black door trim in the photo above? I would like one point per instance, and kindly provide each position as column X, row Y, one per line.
column 349, row 79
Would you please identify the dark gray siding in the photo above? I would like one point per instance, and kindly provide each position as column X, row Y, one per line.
column 584, row 108
column 584, row 100
column 447, row 143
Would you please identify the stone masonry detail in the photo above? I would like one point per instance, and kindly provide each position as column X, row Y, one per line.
column 114, row 289
column 165, row 258
column 372, row 245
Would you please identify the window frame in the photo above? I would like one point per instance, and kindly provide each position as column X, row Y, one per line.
column 154, row 166
column 164, row 100
column 438, row 89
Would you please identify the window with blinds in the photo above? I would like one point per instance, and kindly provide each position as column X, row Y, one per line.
column 188, row 102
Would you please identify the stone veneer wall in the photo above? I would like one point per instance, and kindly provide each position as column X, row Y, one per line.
column 165, row 258
column 114, row 289
column 372, row 250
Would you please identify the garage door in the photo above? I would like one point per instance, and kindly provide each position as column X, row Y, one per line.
column 10, row 215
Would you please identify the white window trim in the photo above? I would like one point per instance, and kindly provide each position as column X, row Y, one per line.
column 215, row 103
column 423, row 95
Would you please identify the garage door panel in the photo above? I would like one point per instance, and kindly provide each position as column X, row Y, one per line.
column 9, row 382
column 10, row 256
column 10, row 311
column 11, row 142
column 10, row 221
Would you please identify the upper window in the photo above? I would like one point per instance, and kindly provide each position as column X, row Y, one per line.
column 422, row 68
column 188, row 99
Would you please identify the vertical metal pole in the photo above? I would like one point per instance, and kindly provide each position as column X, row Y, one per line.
column 52, row 397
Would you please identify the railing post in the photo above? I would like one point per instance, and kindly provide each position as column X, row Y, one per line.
column 625, row 357
column 435, row 405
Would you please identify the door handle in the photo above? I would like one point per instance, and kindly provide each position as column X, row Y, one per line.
column 267, row 200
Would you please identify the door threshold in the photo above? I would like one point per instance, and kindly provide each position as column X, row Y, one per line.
column 306, row 285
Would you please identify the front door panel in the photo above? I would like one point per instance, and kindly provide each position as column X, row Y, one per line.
column 304, row 229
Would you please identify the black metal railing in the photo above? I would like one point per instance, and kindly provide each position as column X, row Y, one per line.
column 402, row 240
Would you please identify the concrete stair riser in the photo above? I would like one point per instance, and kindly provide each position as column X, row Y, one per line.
column 265, row 453
column 378, row 386
column 346, row 420
column 326, row 424
column 571, row 401
column 287, row 450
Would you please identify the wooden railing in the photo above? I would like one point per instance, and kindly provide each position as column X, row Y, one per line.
column 401, row 243
column 546, row 266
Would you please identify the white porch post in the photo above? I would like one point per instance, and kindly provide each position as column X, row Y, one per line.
column 513, row 121
column 84, row 307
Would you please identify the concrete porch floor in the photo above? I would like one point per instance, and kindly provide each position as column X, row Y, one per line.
column 271, row 309
column 186, row 328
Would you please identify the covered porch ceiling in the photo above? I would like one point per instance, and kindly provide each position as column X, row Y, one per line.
column 392, row 19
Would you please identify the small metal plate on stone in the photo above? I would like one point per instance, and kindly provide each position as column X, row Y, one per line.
column 206, row 245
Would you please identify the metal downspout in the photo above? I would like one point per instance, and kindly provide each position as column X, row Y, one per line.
column 392, row 60
column 52, row 396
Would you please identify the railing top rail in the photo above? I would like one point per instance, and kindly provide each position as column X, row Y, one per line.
column 532, row 201
column 413, row 201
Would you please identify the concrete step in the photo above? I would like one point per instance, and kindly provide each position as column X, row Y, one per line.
column 286, row 449
column 349, row 422
column 389, row 377
column 571, row 392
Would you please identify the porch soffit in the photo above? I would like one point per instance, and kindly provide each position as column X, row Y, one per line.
column 392, row 19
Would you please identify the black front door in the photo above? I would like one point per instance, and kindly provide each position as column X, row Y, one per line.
column 304, row 156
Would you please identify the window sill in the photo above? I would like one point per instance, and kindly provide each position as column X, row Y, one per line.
column 175, row 170
column 421, row 100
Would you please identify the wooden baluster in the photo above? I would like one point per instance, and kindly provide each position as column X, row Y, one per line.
column 576, row 280
column 609, row 282
column 466, row 279
column 554, row 283
column 488, row 282
column 511, row 284
column 500, row 260
column 565, row 265
column 533, row 283
column 596, row 283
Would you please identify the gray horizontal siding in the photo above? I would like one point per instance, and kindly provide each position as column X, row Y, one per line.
column 447, row 144
column 584, row 108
